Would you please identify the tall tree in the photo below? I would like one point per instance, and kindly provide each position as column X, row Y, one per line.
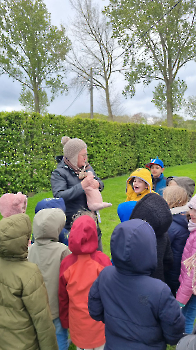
column 32, row 51
column 159, row 37
column 94, row 48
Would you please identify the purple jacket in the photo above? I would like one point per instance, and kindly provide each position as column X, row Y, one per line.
column 185, row 290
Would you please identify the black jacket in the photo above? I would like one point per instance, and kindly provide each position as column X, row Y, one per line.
column 155, row 210
column 67, row 185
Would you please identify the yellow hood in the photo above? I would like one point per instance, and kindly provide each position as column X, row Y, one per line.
column 143, row 174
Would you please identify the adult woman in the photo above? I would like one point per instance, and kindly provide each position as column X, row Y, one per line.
column 69, row 182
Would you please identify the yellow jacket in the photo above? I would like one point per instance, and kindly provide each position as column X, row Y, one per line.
column 143, row 174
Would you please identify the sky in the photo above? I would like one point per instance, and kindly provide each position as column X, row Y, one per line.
column 72, row 104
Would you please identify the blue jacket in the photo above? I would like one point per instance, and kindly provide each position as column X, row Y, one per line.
column 178, row 233
column 139, row 311
column 159, row 183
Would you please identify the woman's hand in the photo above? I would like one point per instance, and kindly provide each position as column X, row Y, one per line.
column 88, row 180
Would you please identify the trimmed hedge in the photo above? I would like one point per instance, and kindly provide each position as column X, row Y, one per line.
column 29, row 144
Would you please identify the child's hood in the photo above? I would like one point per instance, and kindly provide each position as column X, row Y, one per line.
column 47, row 225
column 143, row 174
column 133, row 247
column 155, row 210
column 15, row 232
column 187, row 183
column 83, row 237
column 47, row 203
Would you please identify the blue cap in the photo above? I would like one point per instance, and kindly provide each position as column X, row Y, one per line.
column 155, row 161
column 125, row 209
column 50, row 203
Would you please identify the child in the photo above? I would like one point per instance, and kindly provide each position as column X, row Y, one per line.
column 54, row 203
column 139, row 312
column 177, row 198
column 159, row 181
column 11, row 204
column 25, row 321
column 47, row 253
column 139, row 184
column 155, row 210
column 77, row 273
column 183, row 181
column 125, row 209
column 186, row 294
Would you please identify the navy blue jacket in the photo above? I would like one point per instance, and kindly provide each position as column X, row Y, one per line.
column 178, row 233
column 139, row 311
column 159, row 183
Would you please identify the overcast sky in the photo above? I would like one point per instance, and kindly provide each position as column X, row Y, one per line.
column 61, row 12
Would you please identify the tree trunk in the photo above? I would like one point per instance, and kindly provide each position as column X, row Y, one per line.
column 169, row 93
column 36, row 96
column 169, row 105
column 110, row 115
column 91, row 92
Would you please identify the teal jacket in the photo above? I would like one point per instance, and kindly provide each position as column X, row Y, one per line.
column 159, row 184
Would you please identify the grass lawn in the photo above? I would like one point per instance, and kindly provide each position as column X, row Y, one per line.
column 114, row 192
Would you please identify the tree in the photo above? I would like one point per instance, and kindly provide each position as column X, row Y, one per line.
column 32, row 51
column 159, row 37
column 95, row 50
column 190, row 106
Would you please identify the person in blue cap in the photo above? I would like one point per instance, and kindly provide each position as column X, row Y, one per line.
column 156, row 167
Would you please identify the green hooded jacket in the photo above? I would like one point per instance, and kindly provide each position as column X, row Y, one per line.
column 25, row 318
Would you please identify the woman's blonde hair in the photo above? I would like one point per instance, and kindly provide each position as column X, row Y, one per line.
column 175, row 196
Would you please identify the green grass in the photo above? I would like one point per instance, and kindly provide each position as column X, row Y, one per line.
column 114, row 192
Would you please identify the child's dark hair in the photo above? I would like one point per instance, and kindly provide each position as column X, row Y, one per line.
column 84, row 212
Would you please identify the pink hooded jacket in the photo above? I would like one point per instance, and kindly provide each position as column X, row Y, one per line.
column 187, row 288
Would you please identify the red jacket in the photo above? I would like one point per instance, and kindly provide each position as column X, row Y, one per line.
column 78, row 271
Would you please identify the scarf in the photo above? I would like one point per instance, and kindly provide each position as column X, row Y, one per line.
column 191, row 226
column 78, row 171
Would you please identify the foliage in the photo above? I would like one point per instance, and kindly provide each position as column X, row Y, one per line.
column 27, row 100
column 88, row 116
column 33, row 51
column 160, row 96
column 159, row 38
column 30, row 142
column 178, row 122
column 95, row 56
column 190, row 106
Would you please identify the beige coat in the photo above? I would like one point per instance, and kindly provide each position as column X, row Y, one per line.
column 47, row 252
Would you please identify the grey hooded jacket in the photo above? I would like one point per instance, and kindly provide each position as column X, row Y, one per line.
column 47, row 252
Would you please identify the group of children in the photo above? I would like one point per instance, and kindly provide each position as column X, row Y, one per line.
column 120, row 305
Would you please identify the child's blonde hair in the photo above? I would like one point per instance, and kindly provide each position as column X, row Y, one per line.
column 175, row 196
